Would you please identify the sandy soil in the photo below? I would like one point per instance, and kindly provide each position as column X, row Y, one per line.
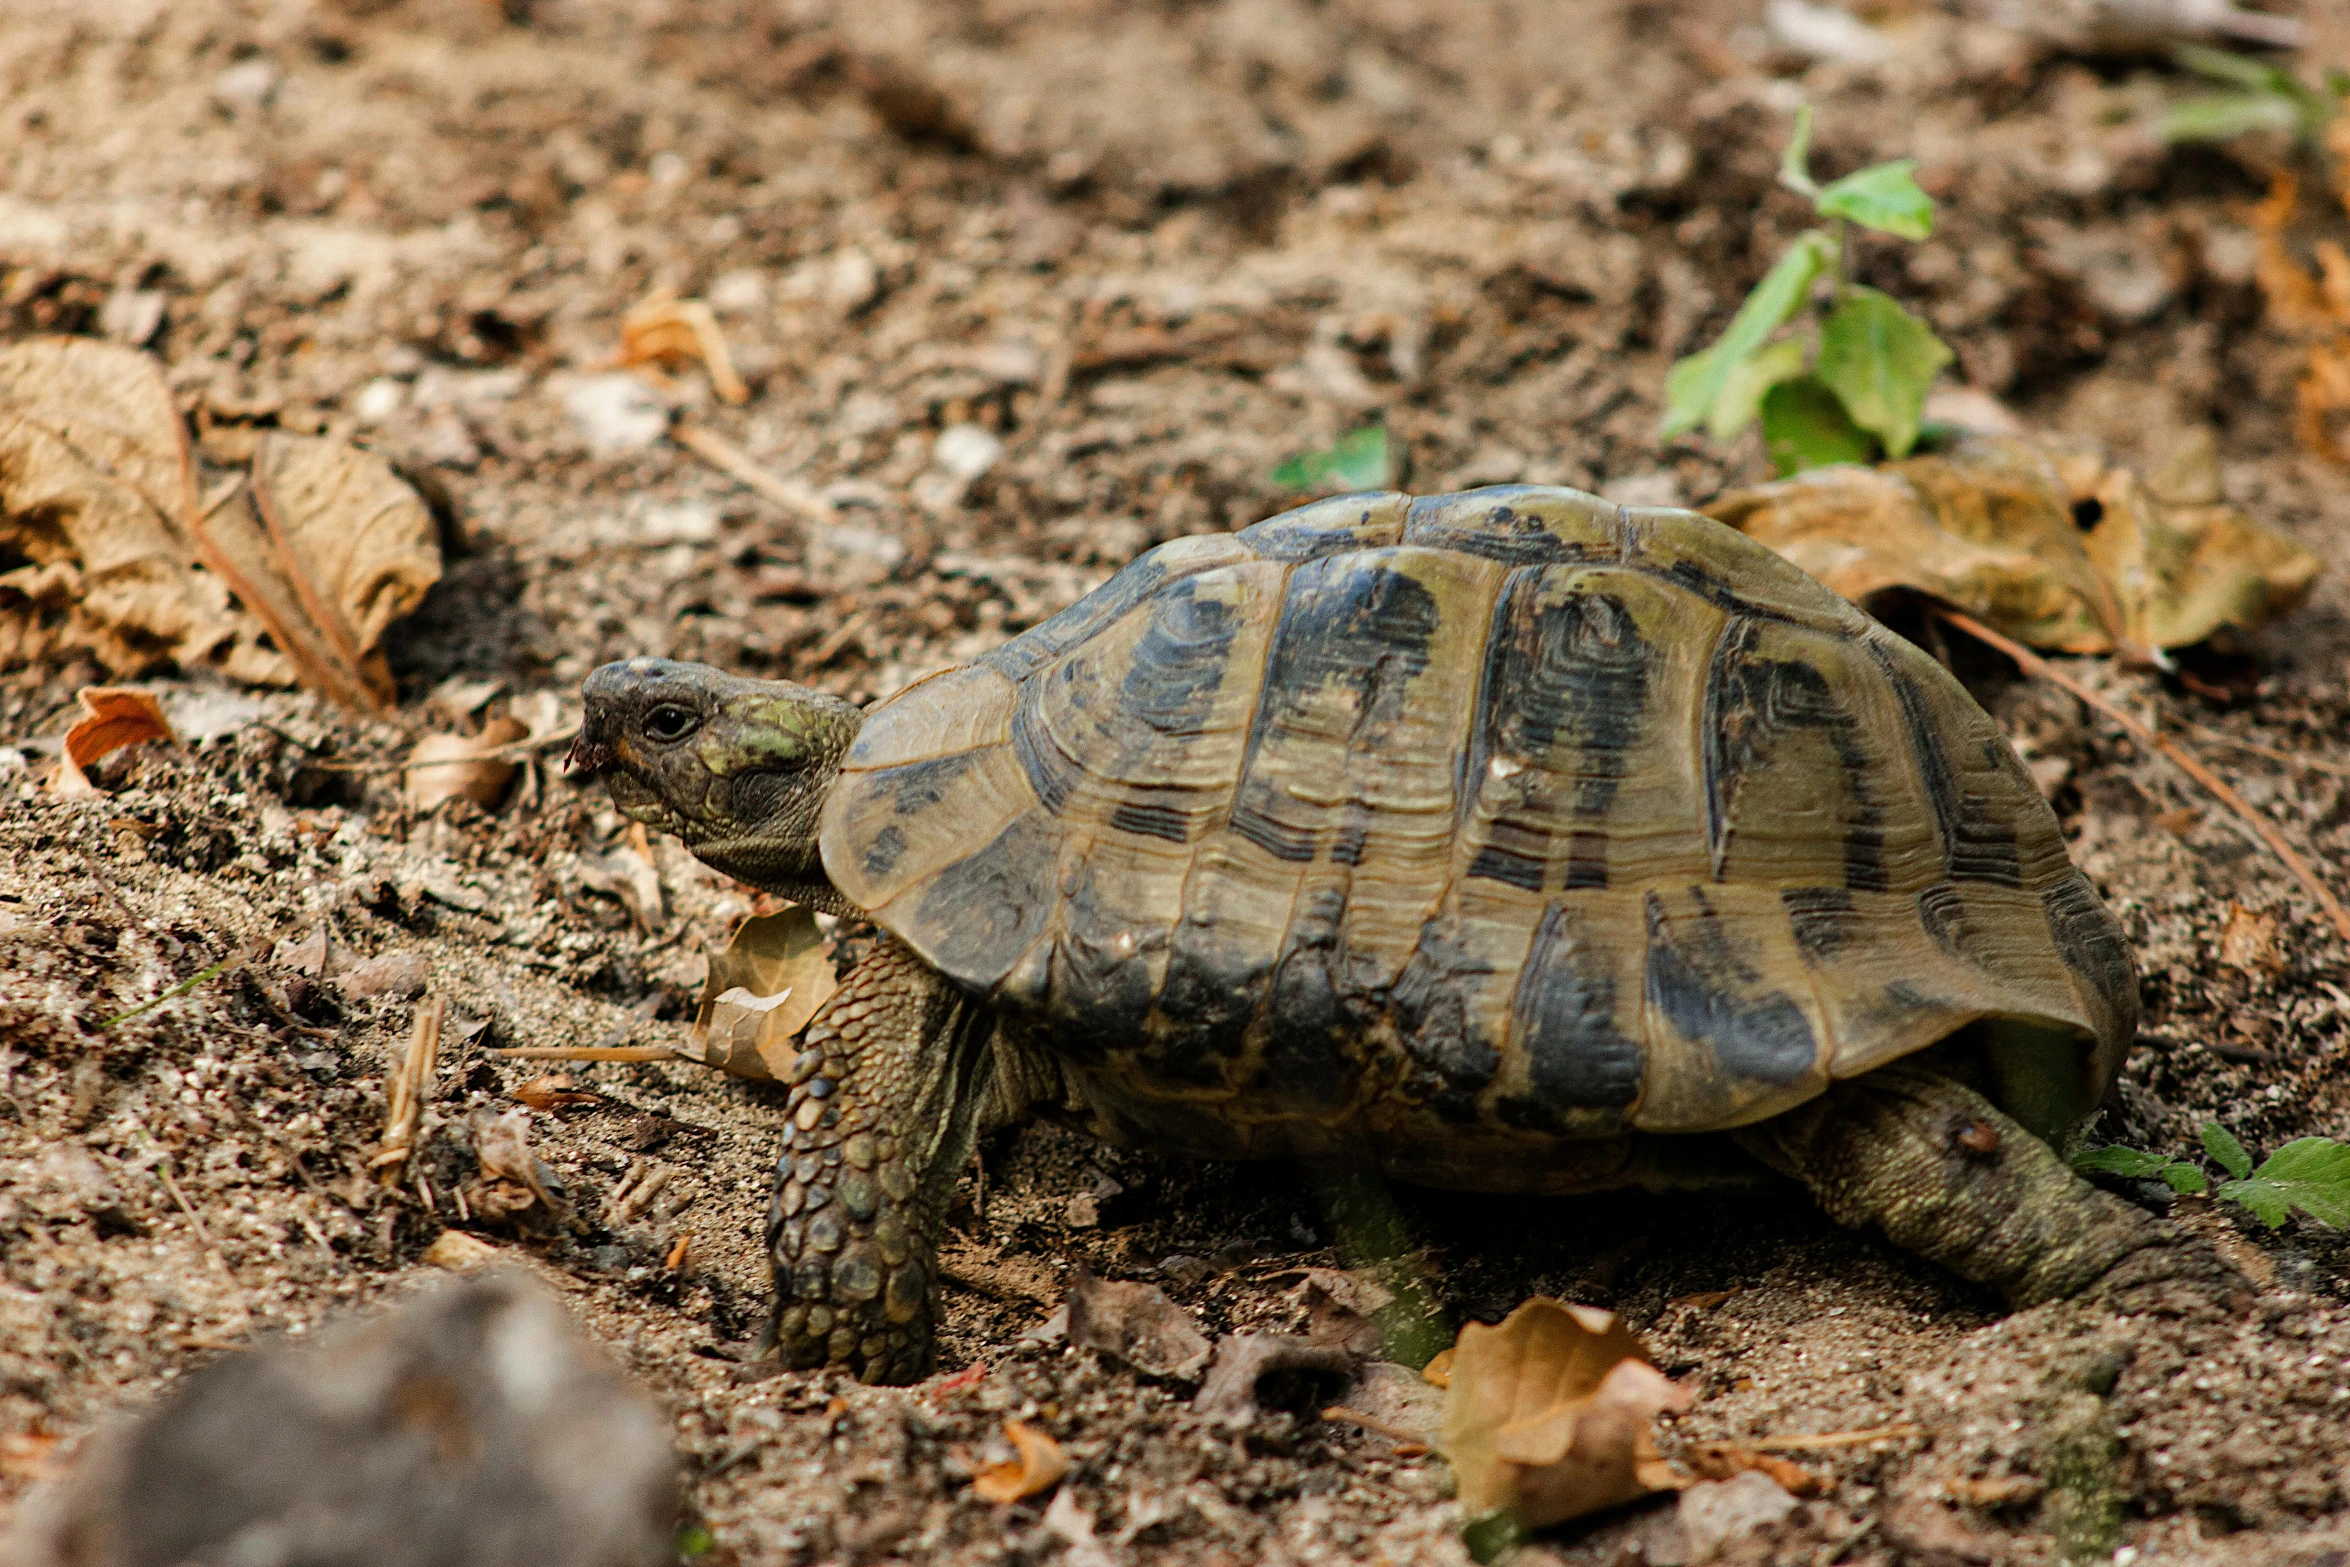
column 1022, row 291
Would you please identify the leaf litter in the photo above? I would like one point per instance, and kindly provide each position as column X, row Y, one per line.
column 2044, row 540
column 1037, row 1465
column 287, row 573
column 112, row 717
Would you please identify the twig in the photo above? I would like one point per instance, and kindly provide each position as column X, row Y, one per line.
column 239, row 959
column 590, row 1053
column 411, row 1087
column 2216, row 737
column 2033, row 664
column 1372, row 1423
column 194, row 1218
column 1798, row 1444
column 737, row 464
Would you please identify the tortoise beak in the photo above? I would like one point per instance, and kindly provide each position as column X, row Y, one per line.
column 590, row 752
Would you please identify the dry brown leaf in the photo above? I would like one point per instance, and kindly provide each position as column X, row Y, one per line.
column 2043, row 540
column 95, row 480
column 462, row 767
column 1997, row 1491
column 112, row 717
column 664, row 329
column 554, row 1092
column 358, row 546
column 1438, row 1371
column 98, row 498
column 2313, row 308
column 459, row 1252
column 1136, row 1323
column 1548, row 1415
column 762, row 990
column 1037, row 1465
column 2252, row 942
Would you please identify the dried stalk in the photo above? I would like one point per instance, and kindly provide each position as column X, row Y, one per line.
column 733, row 461
column 1797, row 1444
column 2033, row 664
column 590, row 1053
column 411, row 1086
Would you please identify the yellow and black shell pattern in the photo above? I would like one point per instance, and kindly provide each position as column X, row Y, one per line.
column 1513, row 809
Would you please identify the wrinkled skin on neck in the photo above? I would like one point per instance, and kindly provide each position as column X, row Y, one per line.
column 737, row 768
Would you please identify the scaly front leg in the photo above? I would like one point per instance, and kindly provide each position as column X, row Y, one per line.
column 884, row 1106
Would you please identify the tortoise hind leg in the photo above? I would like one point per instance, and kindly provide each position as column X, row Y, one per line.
column 885, row 1102
column 1944, row 1174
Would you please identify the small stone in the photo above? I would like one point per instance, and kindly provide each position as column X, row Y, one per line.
column 459, row 1252
column 616, row 412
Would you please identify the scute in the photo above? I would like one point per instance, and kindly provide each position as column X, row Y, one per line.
column 1478, row 829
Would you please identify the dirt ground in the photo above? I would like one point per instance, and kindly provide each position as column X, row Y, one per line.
column 1020, row 291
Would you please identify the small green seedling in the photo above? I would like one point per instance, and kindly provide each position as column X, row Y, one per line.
column 2309, row 1173
column 1862, row 393
column 2258, row 97
column 1357, row 462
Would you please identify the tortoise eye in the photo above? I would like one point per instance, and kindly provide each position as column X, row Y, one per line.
column 670, row 723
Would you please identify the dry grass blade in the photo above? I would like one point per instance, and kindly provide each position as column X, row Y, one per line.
column 2033, row 664
column 410, row 1087
column 737, row 464
column 588, row 1053
column 1828, row 1439
column 2210, row 736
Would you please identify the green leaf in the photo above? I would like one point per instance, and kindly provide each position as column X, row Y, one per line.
column 694, row 1540
column 1358, row 461
column 2309, row 1173
column 1804, row 426
column 1694, row 385
column 1795, row 162
column 2138, row 1165
column 2222, row 66
column 1880, row 360
column 2225, row 116
column 1743, row 388
column 2225, row 1151
column 1884, row 197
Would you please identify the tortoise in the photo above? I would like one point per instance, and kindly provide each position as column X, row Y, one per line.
column 1511, row 841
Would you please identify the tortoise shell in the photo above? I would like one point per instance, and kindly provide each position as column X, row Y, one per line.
column 1514, row 808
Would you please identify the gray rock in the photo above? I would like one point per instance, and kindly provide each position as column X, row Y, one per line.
column 471, row 1426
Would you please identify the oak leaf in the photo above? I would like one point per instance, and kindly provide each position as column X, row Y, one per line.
column 1548, row 1415
column 762, row 989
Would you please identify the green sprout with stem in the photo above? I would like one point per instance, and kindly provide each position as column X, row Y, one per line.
column 2256, row 96
column 1859, row 392
column 2309, row 1173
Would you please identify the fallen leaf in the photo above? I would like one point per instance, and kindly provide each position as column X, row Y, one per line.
column 1256, row 1372
column 553, row 1092
column 462, row 767
column 2044, row 540
column 761, row 992
column 1548, row 1415
column 112, row 717
column 502, row 1144
column 459, row 1252
column 1138, row 1324
column 1997, row 1491
column 1438, row 1371
column 664, row 330
column 1340, row 1310
column 2251, row 942
column 400, row 975
column 1037, row 1465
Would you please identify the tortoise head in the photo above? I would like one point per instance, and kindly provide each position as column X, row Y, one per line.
column 737, row 768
